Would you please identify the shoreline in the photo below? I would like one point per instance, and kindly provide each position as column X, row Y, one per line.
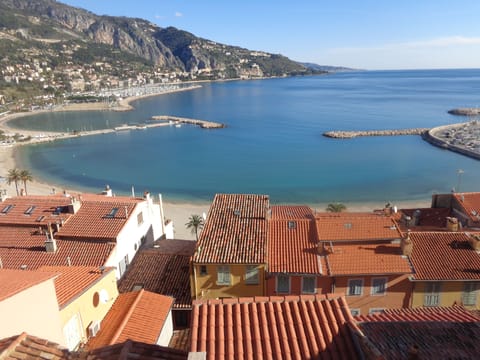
column 177, row 211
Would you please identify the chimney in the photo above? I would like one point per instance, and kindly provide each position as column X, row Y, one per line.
column 3, row 195
column 452, row 224
column 107, row 191
column 74, row 206
column 406, row 245
column 50, row 242
column 416, row 217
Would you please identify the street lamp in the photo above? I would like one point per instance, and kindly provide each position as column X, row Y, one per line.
column 459, row 181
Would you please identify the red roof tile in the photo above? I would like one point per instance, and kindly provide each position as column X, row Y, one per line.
column 454, row 313
column 470, row 202
column 74, row 280
column 296, row 327
column 235, row 231
column 92, row 221
column 366, row 258
column 429, row 219
column 355, row 227
column 291, row 212
column 26, row 246
column 138, row 316
column 26, row 346
column 292, row 247
column 437, row 333
column 162, row 273
column 43, row 210
column 14, row 281
column 444, row 256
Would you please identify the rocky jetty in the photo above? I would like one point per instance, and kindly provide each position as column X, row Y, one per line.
column 181, row 120
column 463, row 138
column 465, row 111
column 353, row 134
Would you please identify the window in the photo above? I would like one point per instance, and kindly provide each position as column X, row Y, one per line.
column 251, row 275
column 283, row 284
column 137, row 287
column 308, row 285
column 203, row 270
column 223, row 275
column 469, row 296
column 140, row 218
column 355, row 312
column 432, row 294
column 112, row 213
column 379, row 286
column 122, row 265
column 355, row 287
column 373, row 311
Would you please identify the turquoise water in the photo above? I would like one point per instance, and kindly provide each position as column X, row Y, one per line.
column 273, row 143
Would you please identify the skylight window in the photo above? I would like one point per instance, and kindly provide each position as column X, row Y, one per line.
column 29, row 210
column 40, row 218
column 7, row 208
column 112, row 213
column 292, row 224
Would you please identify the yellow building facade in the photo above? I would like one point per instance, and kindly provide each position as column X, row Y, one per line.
column 212, row 281
column 446, row 293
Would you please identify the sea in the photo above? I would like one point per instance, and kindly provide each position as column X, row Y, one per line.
column 273, row 142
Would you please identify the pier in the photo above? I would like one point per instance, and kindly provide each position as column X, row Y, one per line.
column 181, row 120
column 354, row 134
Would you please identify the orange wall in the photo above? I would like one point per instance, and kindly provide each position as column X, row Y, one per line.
column 398, row 293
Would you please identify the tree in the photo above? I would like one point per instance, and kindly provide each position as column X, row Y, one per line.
column 336, row 207
column 13, row 176
column 25, row 176
column 195, row 223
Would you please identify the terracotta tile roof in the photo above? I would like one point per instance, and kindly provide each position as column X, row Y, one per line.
column 26, row 346
column 444, row 256
column 442, row 334
column 291, row 212
column 292, row 247
column 296, row 327
column 175, row 247
column 14, row 281
column 235, row 231
column 355, row 227
column 366, row 258
column 43, row 210
column 138, row 316
column 470, row 202
column 445, row 314
column 162, row 273
column 180, row 339
column 74, row 280
column 92, row 221
column 133, row 350
column 429, row 219
column 25, row 246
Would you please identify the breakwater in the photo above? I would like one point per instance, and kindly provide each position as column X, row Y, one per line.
column 181, row 120
column 465, row 111
column 353, row 134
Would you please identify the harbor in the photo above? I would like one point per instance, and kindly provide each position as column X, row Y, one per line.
column 182, row 120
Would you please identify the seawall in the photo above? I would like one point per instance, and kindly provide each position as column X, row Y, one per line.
column 434, row 137
column 202, row 123
column 353, row 134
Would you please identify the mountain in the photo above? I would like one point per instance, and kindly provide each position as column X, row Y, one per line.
column 327, row 68
column 73, row 49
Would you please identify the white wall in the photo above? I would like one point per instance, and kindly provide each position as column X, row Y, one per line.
column 35, row 311
column 167, row 331
column 129, row 239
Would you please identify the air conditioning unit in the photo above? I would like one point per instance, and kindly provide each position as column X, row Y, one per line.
column 93, row 328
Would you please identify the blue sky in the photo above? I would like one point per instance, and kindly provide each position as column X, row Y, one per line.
column 366, row 34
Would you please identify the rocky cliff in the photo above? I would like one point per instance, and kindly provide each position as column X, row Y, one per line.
column 166, row 48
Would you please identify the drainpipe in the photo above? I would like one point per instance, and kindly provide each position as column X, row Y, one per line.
column 333, row 285
column 162, row 216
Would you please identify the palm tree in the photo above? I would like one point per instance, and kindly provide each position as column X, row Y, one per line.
column 336, row 207
column 25, row 176
column 13, row 176
column 195, row 223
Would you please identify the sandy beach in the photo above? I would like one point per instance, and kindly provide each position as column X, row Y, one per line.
column 177, row 212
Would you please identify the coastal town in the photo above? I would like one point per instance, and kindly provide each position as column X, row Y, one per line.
column 260, row 280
